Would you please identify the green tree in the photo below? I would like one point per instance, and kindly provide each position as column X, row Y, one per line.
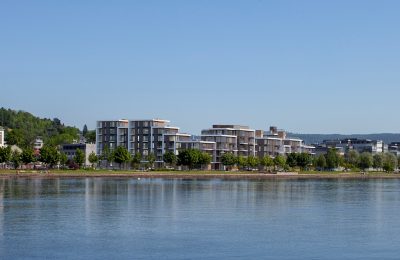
column 93, row 159
column 63, row 159
column 332, row 159
column 121, row 155
column 320, row 162
column 189, row 158
column 170, row 158
column 27, row 156
column 5, row 154
column 279, row 162
column 291, row 160
column 15, row 137
column 91, row 136
column 378, row 161
column 136, row 159
column 242, row 162
column 49, row 155
column 151, row 158
column 252, row 161
column 352, row 159
column 228, row 159
column 84, row 130
column 59, row 139
column 304, row 160
column 16, row 159
column 267, row 162
column 79, row 157
column 365, row 161
column 22, row 128
column 389, row 162
column 107, row 155
column 204, row 159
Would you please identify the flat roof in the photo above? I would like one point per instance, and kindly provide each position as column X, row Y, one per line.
column 232, row 129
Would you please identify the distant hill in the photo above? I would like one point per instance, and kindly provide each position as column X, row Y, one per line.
column 318, row 138
column 22, row 128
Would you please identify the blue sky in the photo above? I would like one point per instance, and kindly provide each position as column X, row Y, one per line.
column 306, row 66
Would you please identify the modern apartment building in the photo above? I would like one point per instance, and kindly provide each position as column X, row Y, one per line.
column 110, row 134
column 275, row 142
column 156, row 136
column 236, row 139
column 151, row 136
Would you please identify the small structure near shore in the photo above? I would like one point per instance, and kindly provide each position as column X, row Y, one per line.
column 286, row 173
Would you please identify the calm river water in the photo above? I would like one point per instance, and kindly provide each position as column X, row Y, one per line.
column 101, row 218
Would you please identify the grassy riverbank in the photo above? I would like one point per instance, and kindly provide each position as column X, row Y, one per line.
column 192, row 174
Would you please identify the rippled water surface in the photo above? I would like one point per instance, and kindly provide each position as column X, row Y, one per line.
column 99, row 218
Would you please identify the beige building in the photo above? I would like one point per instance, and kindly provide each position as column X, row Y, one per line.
column 70, row 151
column 236, row 139
column 275, row 142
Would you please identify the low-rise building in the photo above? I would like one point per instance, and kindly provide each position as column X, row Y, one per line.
column 394, row 148
column 70, row 151
column 359, row 145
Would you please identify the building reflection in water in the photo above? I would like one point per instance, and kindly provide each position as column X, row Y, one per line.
column 129, row 201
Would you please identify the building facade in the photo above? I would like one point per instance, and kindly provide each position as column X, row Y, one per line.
column 152, row 136
column 110, row 134
column 156, row 137
column 359, row 145
column 70, row 151
column 235, row 139
column 275, row 142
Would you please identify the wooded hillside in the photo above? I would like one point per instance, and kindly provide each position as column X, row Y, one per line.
column 22, row 128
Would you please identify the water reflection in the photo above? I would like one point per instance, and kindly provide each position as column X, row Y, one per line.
column 156, row 218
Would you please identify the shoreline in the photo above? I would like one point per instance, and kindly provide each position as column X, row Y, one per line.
column 197, row 175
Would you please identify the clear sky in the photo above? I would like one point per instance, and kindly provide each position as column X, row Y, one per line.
column 305, row 66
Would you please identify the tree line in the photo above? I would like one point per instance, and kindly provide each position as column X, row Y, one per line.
column 354, row 161
column 22, row 128
column 190, row 158
column 331, row 160
column 279, row 162
column 51, row 157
